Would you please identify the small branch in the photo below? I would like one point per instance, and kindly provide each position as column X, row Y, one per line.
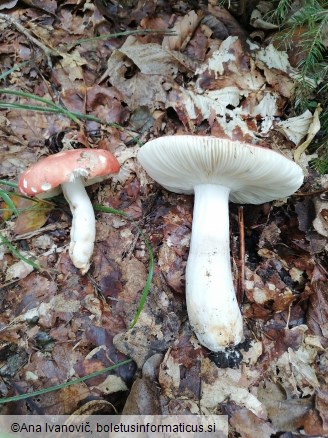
column 14, row 23
column 241, row 278
column 313, row 193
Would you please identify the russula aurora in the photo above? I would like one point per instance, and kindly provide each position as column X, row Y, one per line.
column 216, row 170
column 72, row 170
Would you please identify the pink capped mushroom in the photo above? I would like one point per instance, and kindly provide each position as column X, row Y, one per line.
column 72, row 170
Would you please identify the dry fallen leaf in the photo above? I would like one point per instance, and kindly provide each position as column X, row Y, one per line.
column 33, row 215
column 248, row 425
column 285, row 413
column 184, row 28
column 296, row 128
column 8, row 4
column 145, row 394
column 312, row 131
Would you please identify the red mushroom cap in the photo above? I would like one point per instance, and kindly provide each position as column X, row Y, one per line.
column 93, row 165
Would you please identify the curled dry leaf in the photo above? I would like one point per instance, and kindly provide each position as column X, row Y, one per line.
column 111, row 384
column 219, row 385
column 321, row 403
column 94, row 407
column 248, row 425
column 285, row 413
column 144, row 397
column 8, row 4
column 18, row 270
column 184, row 28
column 43, row 5
column 258, row 15
column 227, row 19
column 317, row 315
column 33, row 215
column 312, row 131
column 320, row 222
column 296, row 128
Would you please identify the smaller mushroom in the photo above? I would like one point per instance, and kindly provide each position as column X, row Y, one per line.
column 72, row 170
column 216, row 171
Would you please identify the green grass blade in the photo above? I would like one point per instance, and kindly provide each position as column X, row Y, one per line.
column 124, row 33
column 39, row 108
column 15, row 252
column 111, row 210
column 64, row 385
column 15, row 67
column 9, row 202
column 145, row 291
column 8, row 183
column 29, row 96
column 54, row 108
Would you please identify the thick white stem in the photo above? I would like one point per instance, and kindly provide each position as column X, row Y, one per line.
column 83, row 231
column 212, row 306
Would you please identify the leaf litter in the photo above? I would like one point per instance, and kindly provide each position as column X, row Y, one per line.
column 208, row 77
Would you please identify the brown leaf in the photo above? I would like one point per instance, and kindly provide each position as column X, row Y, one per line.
column 219, row 385
column 321, row 403
column 285, row 414
column 320, row 223
column 44, row 5
column 138, row 72
column 34, row 214
column 249, row 425
column 269, row 236
column 106, row 104
column 94, row 407
column 317, row 315
column 313, row 424
column 305, row 214
column 8, row 4
column 180, row 369
column 225, row 17
column 184, row 28
column 173, row 267
column 144, row 396
column 276, row 341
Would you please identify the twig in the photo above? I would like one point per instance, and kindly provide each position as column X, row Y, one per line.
column 12, row 22
column 314, row 193
column 288, row 316
column 241, row 278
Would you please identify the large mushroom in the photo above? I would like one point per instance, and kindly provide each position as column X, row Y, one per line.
column 72, row 170
column 216, row 170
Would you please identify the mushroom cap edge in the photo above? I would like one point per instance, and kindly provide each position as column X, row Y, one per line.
column 254, row 174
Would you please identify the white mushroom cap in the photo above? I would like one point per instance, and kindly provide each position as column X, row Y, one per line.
column 254, row 174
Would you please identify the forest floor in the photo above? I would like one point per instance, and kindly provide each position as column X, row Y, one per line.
column 178, row 68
